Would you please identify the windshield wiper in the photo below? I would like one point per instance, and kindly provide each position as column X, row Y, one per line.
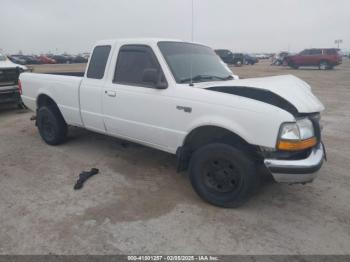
column 201, row 78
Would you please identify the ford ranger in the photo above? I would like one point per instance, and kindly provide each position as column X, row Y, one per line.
column 180, row 98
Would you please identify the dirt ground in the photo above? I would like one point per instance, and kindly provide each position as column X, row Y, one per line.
column 138, row 204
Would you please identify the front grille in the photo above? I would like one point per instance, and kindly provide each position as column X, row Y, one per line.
column 9, row 76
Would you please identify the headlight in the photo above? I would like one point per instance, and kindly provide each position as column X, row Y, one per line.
column 297, row 136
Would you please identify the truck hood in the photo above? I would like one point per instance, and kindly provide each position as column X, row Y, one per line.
column 293, row 89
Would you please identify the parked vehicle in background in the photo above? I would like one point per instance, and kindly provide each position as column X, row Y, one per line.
column 9, row 89
column 180, row 98
column 323, row 58
column 86, row 55
column 230, row 58
column 79, row 59
column 263, row 56
column 278, row 59
column 61, row 59
column 17, row 60
column 25, row 59
column 31, row 60
column 46, row 60
column 5, row 61
column 250, row 59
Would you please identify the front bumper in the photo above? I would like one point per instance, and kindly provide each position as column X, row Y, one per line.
column 297, row 171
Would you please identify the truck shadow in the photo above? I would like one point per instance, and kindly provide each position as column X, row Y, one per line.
column 6, row 109
column 153, row 187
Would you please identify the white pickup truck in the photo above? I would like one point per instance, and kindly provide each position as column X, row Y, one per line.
column 180, row 98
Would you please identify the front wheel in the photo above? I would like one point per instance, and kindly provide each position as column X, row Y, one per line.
column 51, row 125
column 223, row 175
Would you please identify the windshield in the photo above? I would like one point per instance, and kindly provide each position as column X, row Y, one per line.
column 206, row 65
column 2, row 57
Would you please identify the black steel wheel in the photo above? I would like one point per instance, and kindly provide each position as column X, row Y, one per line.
column 223, row 175
column 51, row 125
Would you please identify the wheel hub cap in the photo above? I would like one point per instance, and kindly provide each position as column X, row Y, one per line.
column 222, row 176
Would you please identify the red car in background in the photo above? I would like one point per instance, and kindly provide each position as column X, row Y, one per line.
column 323, row 58
column 46, row 60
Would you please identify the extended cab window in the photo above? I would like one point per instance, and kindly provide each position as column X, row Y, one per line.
column 133, row 61
column 98, row 62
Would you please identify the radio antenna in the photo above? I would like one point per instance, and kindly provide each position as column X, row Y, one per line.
column 192, row 32
column 192, row 19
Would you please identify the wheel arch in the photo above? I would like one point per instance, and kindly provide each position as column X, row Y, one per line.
column 206, row 134
column 44, row 99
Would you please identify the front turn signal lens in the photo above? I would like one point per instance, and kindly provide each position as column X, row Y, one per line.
column 296, row 145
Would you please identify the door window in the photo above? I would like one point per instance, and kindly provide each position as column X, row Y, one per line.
column 133, row 61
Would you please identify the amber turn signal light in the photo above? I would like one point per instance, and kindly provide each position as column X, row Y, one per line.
column 296, row 145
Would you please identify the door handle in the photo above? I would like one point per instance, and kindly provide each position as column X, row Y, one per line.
column 111, row 93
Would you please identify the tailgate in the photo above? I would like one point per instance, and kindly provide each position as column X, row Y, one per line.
column 8, row 77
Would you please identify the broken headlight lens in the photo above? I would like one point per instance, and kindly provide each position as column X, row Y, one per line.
column 300, row 130
column 297, row 136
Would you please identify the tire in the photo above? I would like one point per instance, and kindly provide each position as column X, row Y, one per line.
column 278, row 63
column 323, row 65
column 239, row 63
column 52, row 127
column 292, row 65
column 223, row 175
column 246, row 62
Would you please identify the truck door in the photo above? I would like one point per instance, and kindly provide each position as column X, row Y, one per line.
column 134, row 108
column 314, row 57
column 91, row 89
column 306, row 58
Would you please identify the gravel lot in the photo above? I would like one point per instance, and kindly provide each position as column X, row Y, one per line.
column 138, row 203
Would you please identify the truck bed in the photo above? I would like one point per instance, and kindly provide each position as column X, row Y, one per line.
column 62, row 87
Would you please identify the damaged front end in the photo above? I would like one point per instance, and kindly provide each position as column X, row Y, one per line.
column 297, row 160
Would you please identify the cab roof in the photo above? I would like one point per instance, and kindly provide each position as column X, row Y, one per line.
column 149, row 41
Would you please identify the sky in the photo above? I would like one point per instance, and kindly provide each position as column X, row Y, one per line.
column 73, row 26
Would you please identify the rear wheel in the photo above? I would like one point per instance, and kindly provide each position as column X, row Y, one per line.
column 324, row 65
column 293, row 65
column 223, row 175
column 52, row 127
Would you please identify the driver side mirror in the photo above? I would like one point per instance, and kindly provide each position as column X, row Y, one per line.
column 153, row 77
